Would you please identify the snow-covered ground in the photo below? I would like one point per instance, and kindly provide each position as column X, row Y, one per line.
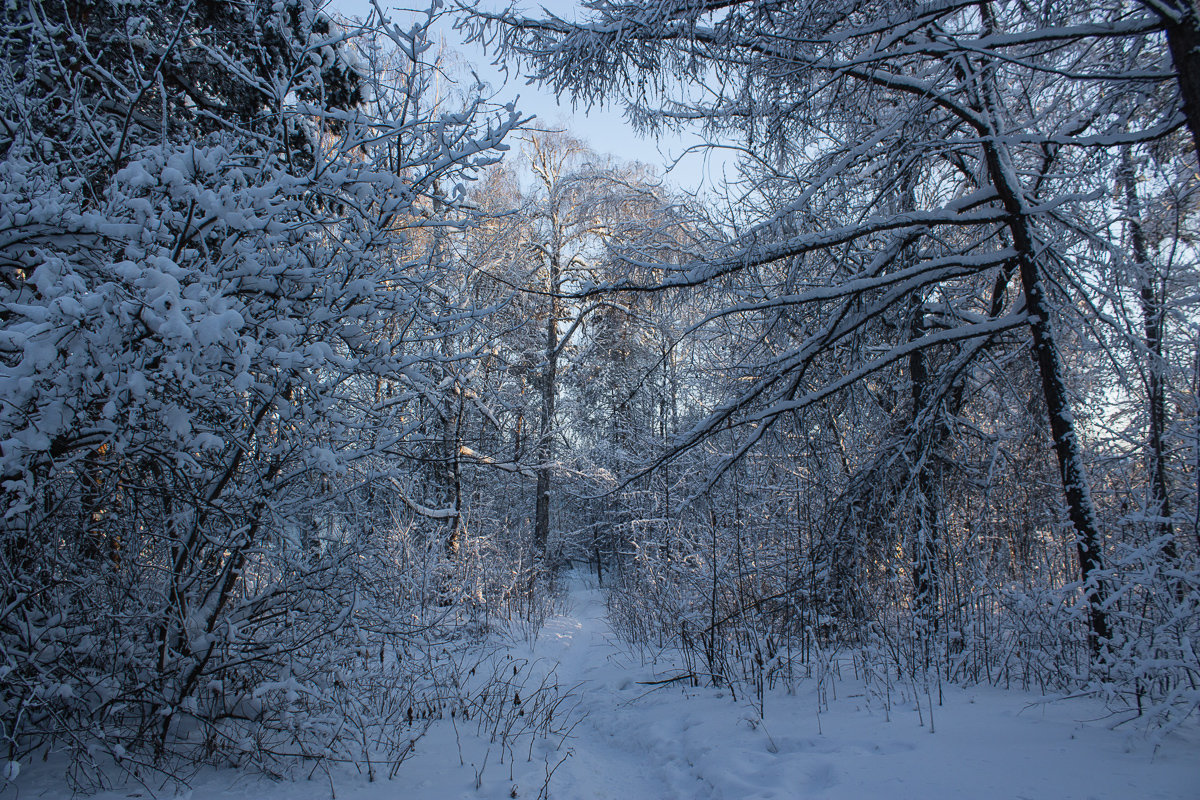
column 635, row 741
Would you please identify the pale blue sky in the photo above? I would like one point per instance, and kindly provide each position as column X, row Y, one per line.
column 604, row 129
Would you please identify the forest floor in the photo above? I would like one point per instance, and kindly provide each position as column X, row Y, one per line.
column 633, row 739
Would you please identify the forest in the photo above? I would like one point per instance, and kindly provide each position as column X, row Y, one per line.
column 321, row 367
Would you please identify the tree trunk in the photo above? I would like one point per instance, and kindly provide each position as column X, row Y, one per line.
column 1005, row 180
column 1076, row 490
column 923, row 550
column 453, row 449
column 1183, row 37
column 1152, row 320
column 545, row 449
column 1080, row 509
column 1082, row 513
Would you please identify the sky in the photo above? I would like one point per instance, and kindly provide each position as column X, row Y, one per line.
column 605, row 129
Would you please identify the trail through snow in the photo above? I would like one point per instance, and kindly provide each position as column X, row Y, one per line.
column 674, row 741
column 636, row 740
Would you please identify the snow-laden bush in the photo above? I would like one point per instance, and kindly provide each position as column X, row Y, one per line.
column 751, row 628
column 219, row 297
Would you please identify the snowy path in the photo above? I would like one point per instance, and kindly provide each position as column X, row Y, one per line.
column 637, row 742
column 678, row 742
column 605, row 760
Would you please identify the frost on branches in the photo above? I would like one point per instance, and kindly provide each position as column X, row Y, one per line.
column 217, row 226
column 926, row 270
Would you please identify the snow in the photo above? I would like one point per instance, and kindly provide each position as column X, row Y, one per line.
column 632, row 739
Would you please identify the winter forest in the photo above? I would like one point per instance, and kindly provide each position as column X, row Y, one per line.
column 330, row 384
